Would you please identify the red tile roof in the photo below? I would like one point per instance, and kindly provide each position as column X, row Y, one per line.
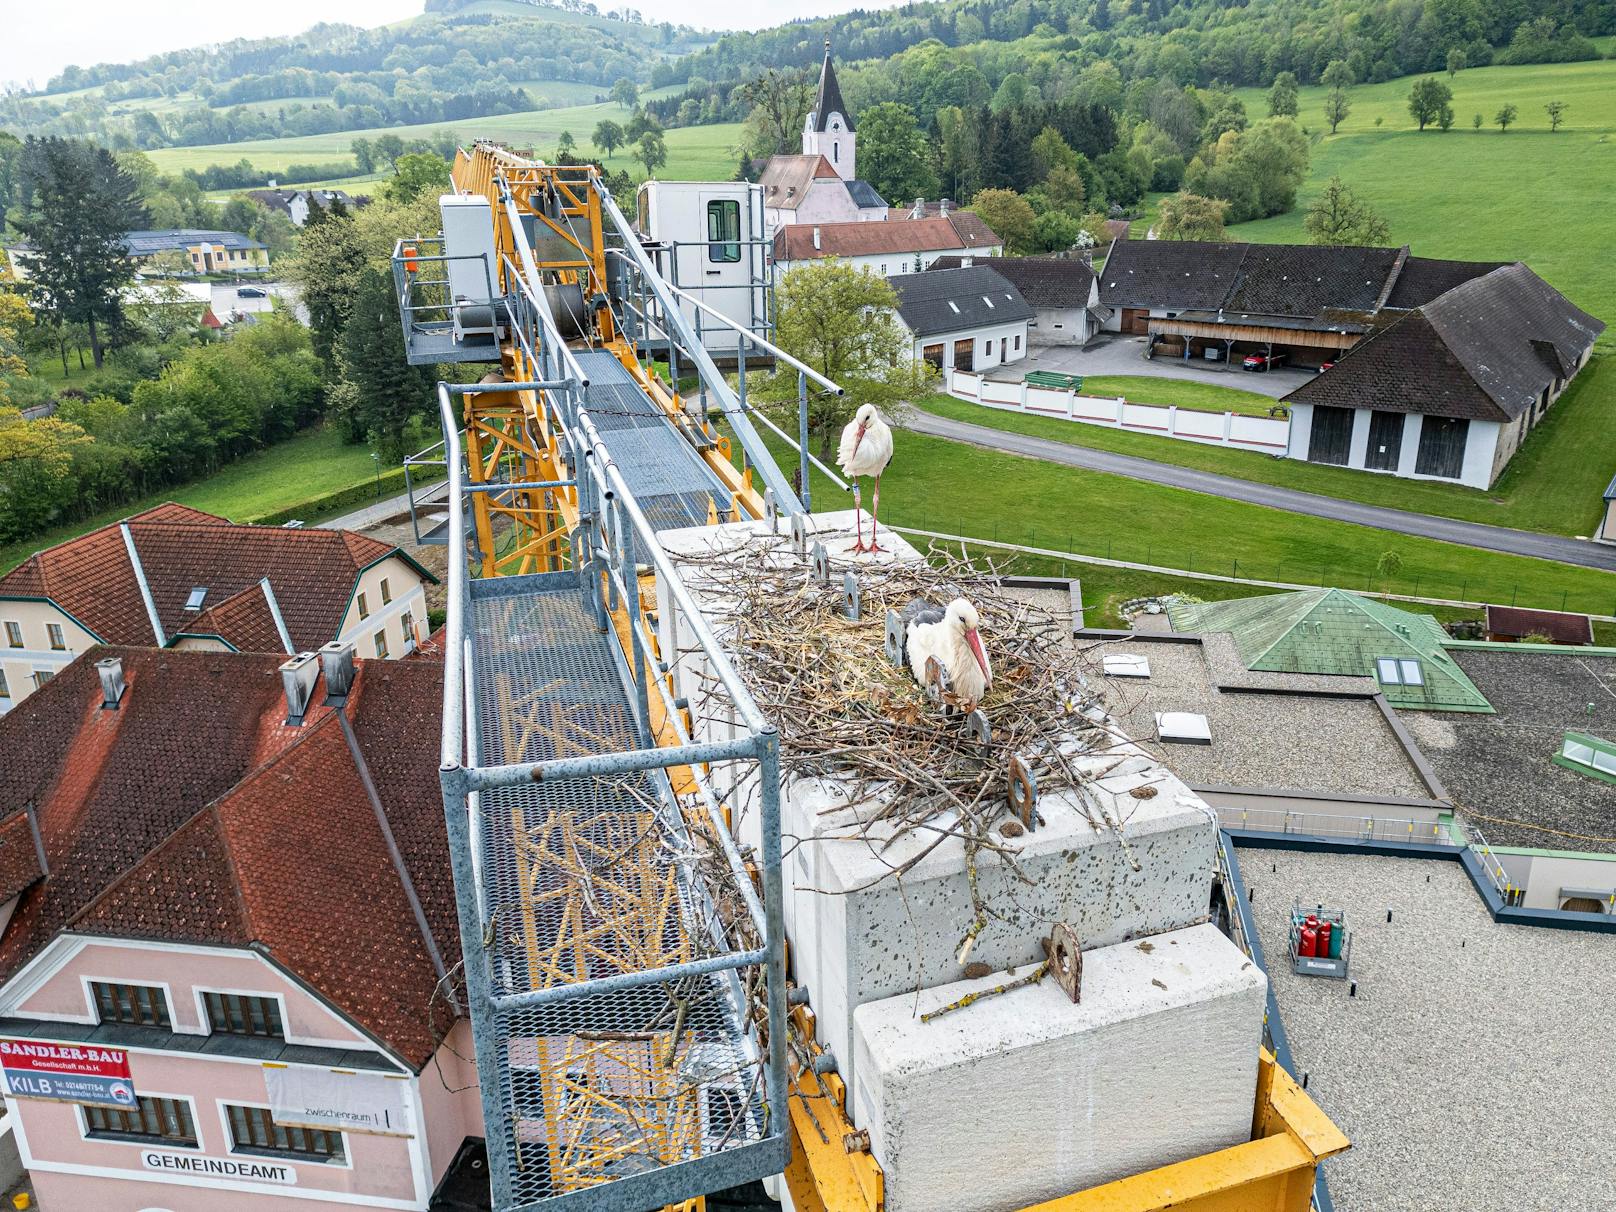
column 311, row 570
column 896, row 237
column 192, row 813
column 1561, row 627
column 785, row 179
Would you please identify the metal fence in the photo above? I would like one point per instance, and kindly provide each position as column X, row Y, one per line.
column 1326, row 824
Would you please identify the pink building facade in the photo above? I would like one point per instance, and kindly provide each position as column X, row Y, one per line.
column 204, row 1145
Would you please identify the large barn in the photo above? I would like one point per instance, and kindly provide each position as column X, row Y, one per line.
column 1436, row 369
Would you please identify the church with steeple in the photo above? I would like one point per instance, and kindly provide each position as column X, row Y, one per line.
column 821, row 185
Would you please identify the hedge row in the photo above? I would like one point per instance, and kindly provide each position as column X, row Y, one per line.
column 355, row 496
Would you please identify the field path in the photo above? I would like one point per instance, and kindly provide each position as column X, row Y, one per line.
column 1425, row 526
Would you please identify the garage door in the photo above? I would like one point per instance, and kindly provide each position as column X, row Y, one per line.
column 1385, row 441
column 1331, row 437
column 1442, row 447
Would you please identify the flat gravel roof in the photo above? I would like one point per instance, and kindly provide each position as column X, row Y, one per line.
column 1474, row 1068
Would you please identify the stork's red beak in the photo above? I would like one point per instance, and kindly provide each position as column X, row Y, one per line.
column 975, row 641
column 859, row 437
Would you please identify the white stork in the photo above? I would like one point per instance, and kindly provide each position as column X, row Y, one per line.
column 952, row 636
column 866, row 450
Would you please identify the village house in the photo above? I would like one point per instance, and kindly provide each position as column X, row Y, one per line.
column 206, row 252
column 821, row 185
column 175, row 577
column 226, row 890
column 963, row 319
column 907, row 246
column 1435, row 369
column 1063, row 292
column 298, row 204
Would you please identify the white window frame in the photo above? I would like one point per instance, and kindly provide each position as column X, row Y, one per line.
column 56, row 637
column 206, row 1024
column 223, row 1104
column 1400, row 670
column 380, row 640
column 86, row 982
column 14, row 637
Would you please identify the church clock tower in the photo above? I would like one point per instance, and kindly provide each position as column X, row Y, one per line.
column 828, row 130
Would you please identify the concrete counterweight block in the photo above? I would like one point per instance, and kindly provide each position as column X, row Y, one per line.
column 1022, row 1096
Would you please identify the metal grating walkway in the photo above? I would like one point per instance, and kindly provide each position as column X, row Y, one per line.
column 671, row 483
column 589, row 878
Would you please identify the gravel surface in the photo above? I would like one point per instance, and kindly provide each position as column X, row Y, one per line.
column 1468, row 1077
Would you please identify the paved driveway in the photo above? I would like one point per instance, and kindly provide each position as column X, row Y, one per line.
column 1114, row 354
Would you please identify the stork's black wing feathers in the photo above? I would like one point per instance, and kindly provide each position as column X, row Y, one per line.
column 919, row 612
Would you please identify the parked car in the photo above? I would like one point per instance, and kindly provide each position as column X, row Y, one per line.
column 251, row 292
column 1259, row 361
column 1324, row 366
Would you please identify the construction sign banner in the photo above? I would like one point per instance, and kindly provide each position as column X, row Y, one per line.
column 67, row 1073
column 338, row 1100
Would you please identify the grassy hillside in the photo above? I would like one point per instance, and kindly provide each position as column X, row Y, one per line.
column 698, row 151
column 1527, row 195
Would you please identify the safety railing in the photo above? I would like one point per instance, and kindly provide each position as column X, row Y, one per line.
column 1496, row 873
column 618, row 1033
column 421, row 285
column 1325, row 824
column 425, row 487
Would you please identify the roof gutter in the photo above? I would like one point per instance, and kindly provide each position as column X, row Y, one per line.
column 145, row 587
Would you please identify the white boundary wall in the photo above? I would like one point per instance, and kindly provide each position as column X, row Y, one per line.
column 1268, row 434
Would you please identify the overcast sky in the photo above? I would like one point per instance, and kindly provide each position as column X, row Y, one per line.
column 55, row 33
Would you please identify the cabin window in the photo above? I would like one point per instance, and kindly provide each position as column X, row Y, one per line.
column 724, row 230
column 244, row 1014
column 164, row 1121
column 139, row 1005
column 252, row 1130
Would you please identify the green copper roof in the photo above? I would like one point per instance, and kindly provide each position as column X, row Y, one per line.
column 1331, row 631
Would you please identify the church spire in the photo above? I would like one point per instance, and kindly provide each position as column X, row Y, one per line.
column 829, row 100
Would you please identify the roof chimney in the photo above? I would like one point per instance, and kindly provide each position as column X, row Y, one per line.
column 298, row 676
column 110, row 671
column 816, row 237
column 337, row 662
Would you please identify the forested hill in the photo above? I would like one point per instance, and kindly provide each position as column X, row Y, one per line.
column 1192, row 42
column 480, row 58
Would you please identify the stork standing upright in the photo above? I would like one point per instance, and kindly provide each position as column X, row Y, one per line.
column 866, row 450
column 953, row 637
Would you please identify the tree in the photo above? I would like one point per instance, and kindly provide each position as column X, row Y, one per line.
column 15, row 320
column 1336, row 108
column 1444, row 120
column 1476, row 121
column 565, row 145
column 625, row 92
column 1282, row 102
column 36, row 464
column 1456, row 62
column 1557, row 112
column 1009, row 215
column 1505, row 115
column 387, row 149
column 1338, row 216
column 608, row 136
column 364, row 154
column 79, row 204
column 1427, row 99
column 417, row 173
column 1186, row 216
column 1338, row 74
column 383, row 392
column 1056, row 231
column 651, row 151
column 1386, row 568
column 842, row 321
column 893, row 154
column 779, row 103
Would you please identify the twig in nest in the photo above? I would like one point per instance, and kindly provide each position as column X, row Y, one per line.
column 970, row 999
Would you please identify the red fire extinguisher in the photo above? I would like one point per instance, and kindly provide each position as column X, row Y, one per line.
column 1325, row 930
column 1309, row 944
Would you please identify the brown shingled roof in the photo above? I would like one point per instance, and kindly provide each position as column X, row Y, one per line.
column 312, row 571
column 785, row 179
column 192, row 813
column 1560, row 626
column 898, row 237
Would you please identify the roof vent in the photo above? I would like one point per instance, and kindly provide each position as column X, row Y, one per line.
column 1126, row 665
column 298, row 676
column 110, row 671
column 337, row 663
column 1183, row 727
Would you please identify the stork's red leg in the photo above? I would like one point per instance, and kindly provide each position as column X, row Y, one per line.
column 858, row 519
column 875, row 516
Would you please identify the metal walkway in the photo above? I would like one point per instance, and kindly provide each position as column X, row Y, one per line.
column 671, row 483
column 586, row 879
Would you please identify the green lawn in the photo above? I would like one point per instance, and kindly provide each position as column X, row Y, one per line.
column 310, row 465
column 1526, row 195
column 1553, row 484
column 955, row 488
column 1185, row 393
column 694, row 152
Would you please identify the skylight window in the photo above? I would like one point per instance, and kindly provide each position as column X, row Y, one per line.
column 1588, row 755
column 1399, row 671
column 953, row 307
column 987, row 300
column 1183, row 728
column 1126, row 665
column 194, row 602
